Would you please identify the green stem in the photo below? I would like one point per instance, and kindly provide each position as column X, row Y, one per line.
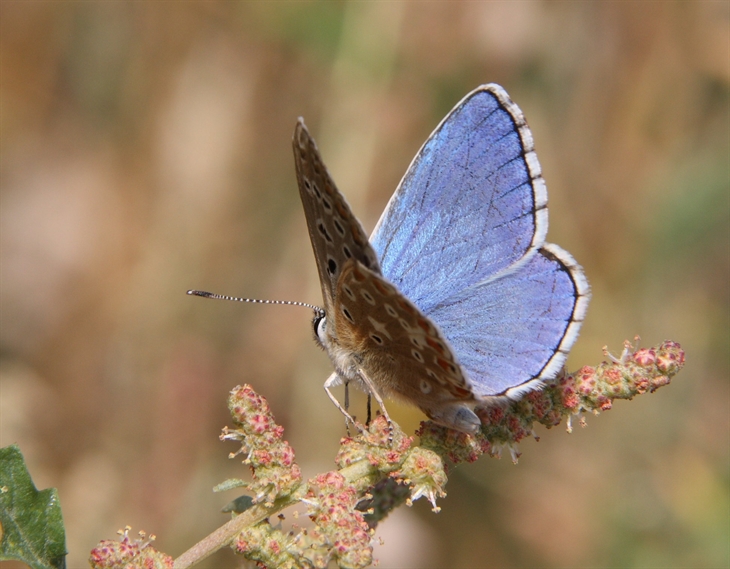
column 361, row 474
column 225, row 534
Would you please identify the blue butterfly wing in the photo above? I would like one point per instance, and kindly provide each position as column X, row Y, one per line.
column 513, row 331
column 463, row 237
column 471, row 204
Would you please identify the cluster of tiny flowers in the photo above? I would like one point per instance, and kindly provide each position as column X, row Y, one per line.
column 590, row 389
column 340, row 532
column 452, row 445
column 380, row 468
column 127, row 553
column 389, row 451
column 424, row 472
column 383, row 445
column 347, row 537
column 635, row 372
column 270, row 457
column 268, row 546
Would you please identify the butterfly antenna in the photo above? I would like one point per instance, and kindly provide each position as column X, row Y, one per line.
column 206, row 294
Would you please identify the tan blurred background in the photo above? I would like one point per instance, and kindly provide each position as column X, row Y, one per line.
column 145, row 150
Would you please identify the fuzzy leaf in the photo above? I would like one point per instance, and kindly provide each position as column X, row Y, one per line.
column 32, row 525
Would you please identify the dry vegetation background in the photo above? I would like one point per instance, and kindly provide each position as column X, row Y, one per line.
column 145, row 150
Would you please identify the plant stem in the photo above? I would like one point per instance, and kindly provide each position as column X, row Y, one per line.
column 227, row 532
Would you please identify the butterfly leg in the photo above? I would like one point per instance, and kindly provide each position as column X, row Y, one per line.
column 347, row 405
column 374, row 392
column 333, row 380
column 370, row 414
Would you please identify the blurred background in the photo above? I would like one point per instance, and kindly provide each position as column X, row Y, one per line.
column 146, row 150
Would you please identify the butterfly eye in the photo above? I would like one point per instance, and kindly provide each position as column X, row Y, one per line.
column 319, row 323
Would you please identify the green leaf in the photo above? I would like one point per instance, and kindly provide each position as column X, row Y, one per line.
column 230, row 484
column 239, row 505
column 32, row 525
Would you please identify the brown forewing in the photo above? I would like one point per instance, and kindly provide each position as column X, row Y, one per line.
column 336, row 234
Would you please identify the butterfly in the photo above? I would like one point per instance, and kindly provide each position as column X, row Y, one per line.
column 456, row 301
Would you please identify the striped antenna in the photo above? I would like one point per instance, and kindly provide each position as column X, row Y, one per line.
column 319, row 311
